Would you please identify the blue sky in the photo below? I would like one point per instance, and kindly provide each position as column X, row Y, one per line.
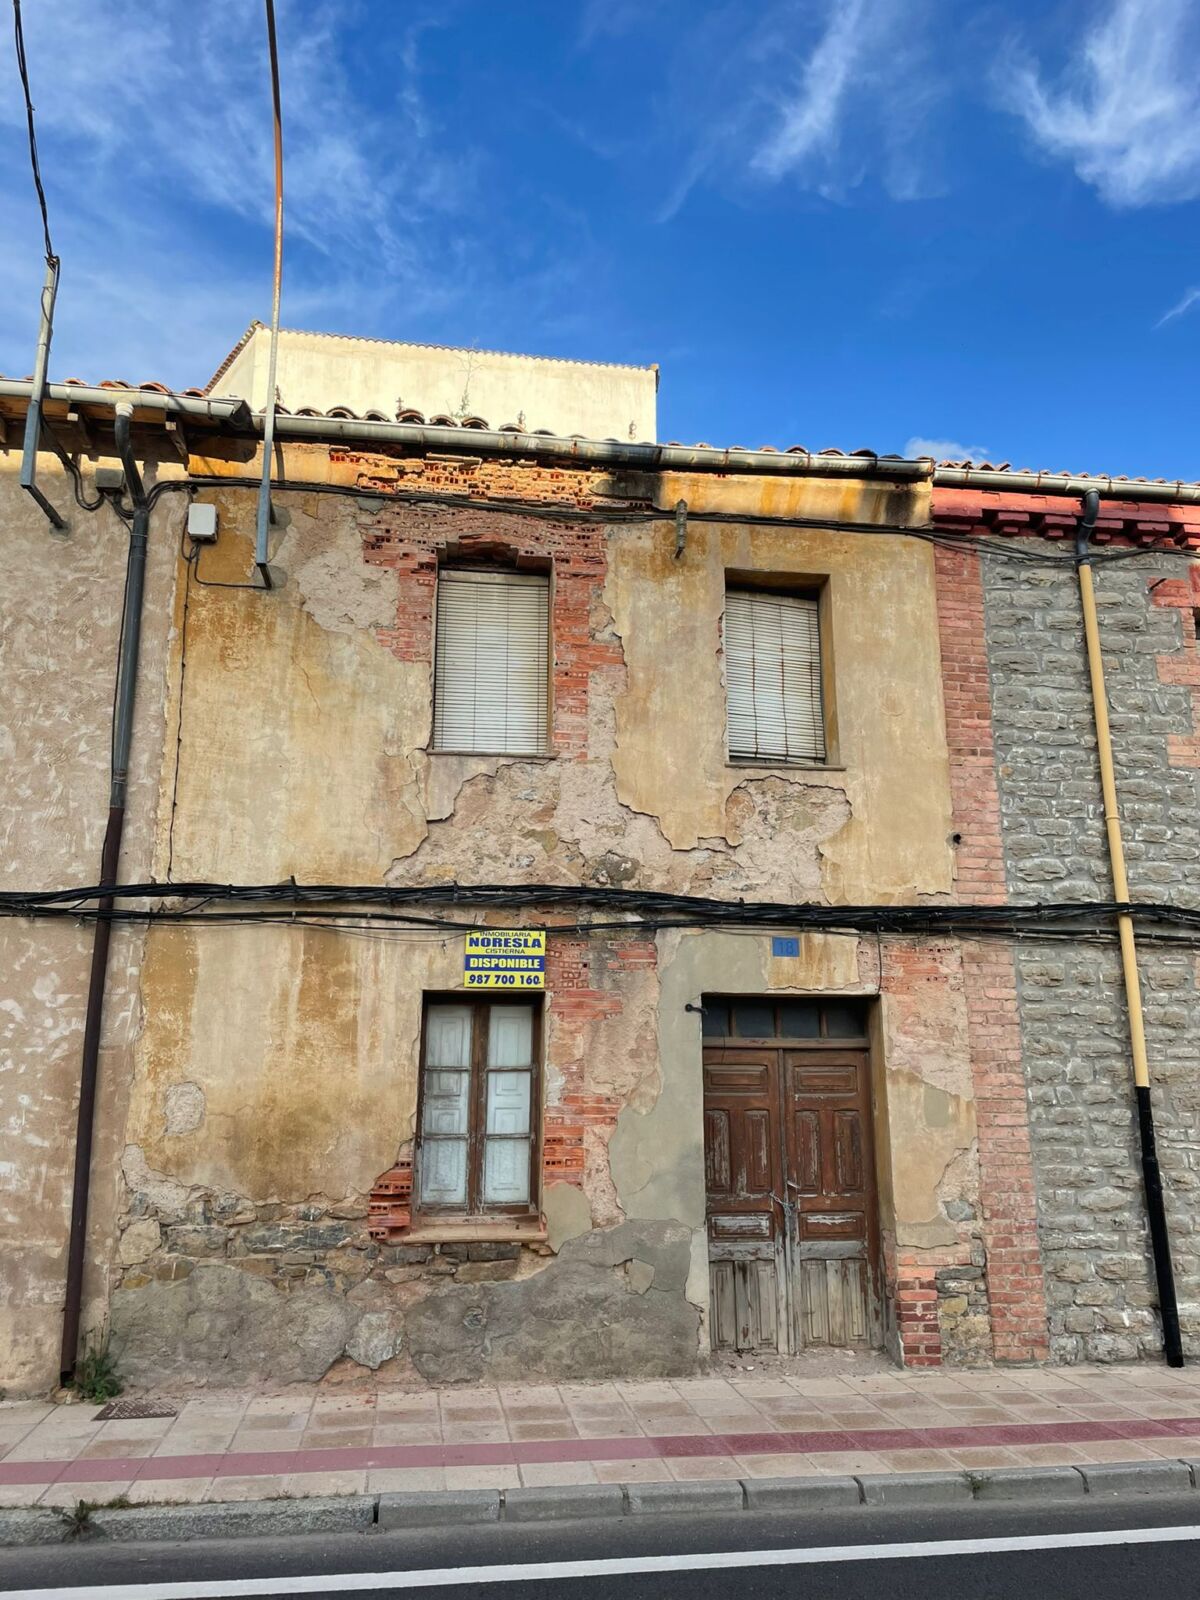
column 850, row 222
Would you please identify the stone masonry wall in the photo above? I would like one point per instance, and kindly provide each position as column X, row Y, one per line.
column 1099, row 1279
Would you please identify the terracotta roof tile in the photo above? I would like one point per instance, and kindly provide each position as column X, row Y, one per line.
column 998, row 469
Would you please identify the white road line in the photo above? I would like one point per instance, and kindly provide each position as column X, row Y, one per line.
column 445, row 1577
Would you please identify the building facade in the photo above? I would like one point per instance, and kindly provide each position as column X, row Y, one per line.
column 622, row 720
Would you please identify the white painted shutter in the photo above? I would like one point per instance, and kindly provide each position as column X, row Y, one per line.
column 490, row 688
column 773, row 677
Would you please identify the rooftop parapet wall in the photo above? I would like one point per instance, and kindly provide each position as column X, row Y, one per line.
column 600, row 400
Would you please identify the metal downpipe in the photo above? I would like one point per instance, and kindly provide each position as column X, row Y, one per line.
column 1151, row 1173
column 110, row 858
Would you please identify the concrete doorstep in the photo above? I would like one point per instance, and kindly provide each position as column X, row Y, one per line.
column 360, row 1513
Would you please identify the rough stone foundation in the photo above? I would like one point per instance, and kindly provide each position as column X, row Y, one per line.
column 286, row 1299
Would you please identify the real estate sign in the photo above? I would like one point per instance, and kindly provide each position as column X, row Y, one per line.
column 505, row 958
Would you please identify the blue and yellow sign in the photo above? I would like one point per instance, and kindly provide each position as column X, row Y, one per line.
column 505, row 958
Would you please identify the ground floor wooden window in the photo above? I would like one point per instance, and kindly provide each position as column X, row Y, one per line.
column 478, row 1107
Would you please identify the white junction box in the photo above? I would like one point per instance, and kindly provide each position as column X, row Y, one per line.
column 201, row 522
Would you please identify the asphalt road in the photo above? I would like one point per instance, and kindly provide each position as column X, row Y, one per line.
column 750, row 1556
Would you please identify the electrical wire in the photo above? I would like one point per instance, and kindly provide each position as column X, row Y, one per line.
column 23, row 70
column 263, row 516
column 215, row 583
column 630, row 910
column 986, row 547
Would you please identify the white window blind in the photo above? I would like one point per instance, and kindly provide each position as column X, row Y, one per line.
column 490, row 689
column 773, row 677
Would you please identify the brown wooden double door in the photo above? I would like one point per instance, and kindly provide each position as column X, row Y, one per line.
column 792, row 1213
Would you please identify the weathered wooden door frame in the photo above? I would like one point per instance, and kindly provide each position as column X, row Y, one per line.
column 786, row 1200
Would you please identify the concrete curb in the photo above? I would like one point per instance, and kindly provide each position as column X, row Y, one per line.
column 360, row 1513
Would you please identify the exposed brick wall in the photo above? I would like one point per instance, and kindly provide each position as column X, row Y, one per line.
column 414, row 538
column 917, row 1313
column 577, row 973
column 1015, row 1283
column 1181, row 668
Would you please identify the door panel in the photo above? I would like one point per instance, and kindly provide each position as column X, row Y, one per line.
column 756, row 1126
column 831, row 1163
column 743, row 1161
column 834, row 1302
column 806, row 1167
column 718, row 1162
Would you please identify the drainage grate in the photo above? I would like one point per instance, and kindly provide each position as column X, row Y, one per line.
column 134, row 1410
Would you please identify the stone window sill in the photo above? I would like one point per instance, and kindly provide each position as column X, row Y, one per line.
column 503, row 1231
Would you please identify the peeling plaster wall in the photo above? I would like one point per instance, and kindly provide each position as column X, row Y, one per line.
column 274, row 1071
column 277, row 1070
column 648, row 795
column 60, row 607
column 846, row 836
column 302, row 739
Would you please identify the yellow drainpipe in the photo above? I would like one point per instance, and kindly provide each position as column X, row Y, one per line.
column 1151, row 1173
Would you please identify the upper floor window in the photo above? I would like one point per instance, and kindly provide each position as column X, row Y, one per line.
column 490, row 689
column 773, row 676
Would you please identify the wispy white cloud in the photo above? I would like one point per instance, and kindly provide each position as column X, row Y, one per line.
column 811, row 112
column 161, row 189
column 946, row 450
column 1125, row 112
column 824, row 108
column 1185, row 303
column 601, row 20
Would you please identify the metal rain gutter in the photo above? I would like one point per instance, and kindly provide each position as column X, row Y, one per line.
column 228, row 413
column 234, row 415
column 1057, row 483
column 598, row 452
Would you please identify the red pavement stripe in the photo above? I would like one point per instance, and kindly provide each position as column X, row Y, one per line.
column 114, row 1470
column 267, row 1463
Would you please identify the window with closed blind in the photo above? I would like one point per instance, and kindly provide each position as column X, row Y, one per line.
column 490, row 690
column 773, row 676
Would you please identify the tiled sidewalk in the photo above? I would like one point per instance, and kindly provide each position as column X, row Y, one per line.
column 303, row 1441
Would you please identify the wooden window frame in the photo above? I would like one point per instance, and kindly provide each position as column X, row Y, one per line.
column 474, row 1209
column 776, row 1001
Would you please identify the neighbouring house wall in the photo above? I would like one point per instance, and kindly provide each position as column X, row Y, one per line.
column 1006, row 1263
column 60, row 611
column 596, row 399
column 276, row 1071
column 1074, row 1030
